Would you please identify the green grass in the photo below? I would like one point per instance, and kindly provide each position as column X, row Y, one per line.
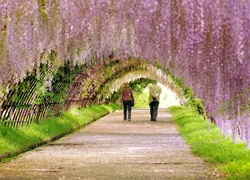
column 141, row 100
column 15, row 141
column 206, row 140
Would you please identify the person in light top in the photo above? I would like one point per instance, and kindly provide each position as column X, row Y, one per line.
column 154, row 100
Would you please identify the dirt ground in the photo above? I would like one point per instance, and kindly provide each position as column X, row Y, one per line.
column 111, row 148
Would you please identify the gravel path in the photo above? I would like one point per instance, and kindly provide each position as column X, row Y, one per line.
column 113, row 149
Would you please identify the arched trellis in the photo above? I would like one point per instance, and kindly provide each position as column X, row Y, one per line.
column 100, row 84
column 36, row 98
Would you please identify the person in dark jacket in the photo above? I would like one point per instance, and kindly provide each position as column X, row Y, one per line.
column 127, row 100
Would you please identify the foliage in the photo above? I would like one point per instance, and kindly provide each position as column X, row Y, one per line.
column 138, row 85
column 197, row 105
column 207, row 141
column 41, row 91
column 179, row 82
column 141, row 100
column 188, row 92
column 61, row 82
column 158, row 65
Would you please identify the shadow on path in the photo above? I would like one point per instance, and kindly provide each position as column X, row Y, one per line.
column 111, row 148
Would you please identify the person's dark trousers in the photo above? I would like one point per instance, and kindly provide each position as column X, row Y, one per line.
column 154, row 110
column 127, row 110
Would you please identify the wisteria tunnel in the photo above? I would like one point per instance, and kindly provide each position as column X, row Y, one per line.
column 55, row 54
